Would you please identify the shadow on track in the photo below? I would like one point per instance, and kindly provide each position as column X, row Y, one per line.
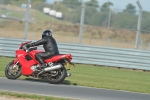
column 65, row 82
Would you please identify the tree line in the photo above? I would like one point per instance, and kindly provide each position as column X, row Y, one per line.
column 99, row 16
column 94, row 14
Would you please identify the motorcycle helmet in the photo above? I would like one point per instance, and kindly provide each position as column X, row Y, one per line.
column 46, row 33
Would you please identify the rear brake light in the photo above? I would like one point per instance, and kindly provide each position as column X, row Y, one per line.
column 69, row 56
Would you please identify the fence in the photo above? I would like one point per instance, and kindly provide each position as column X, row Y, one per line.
column 85, row 54
column 102, row 26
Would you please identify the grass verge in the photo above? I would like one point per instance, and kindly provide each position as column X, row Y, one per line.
column 23, row 96
column 101, row 77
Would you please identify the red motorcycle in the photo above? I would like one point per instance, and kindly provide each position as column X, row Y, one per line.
column 26, row 64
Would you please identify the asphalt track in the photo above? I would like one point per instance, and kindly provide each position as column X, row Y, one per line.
column 68, row 91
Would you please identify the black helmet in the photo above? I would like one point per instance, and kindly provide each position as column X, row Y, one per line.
column 46, row 33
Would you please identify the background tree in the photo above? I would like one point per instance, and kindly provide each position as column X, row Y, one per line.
column 106, row 6
column 145, row 24
column 6, row 1
column 71, row 3
column 72, row 15
column 30, row 0
column 130, row 9
column 19, row 2
column 91, row 8
column 92, row 3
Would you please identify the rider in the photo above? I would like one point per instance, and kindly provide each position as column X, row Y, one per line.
column 49, row 45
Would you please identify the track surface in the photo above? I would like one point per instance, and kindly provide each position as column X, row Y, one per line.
column 68, row 91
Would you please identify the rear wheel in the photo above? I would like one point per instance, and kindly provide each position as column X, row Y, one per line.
column 57, row 76
column 13, row 73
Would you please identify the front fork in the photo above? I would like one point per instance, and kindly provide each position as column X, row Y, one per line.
column 15, row 64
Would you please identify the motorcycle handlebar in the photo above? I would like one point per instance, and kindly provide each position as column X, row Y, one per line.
column 24, row 47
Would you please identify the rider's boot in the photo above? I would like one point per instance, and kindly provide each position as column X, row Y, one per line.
column 43, row 65
column 41, row 62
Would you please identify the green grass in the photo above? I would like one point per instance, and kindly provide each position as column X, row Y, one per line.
column 41, row 17
column 111, row 78
column 102, row 77
column 37, row 15
column 30, row 96
column 11, row 13
column 3, row 62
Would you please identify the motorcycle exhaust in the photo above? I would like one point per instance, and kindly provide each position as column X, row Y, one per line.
column 50, row 69
column 53, row 68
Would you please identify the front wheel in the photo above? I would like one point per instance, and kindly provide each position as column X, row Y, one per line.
column 13, row 73
column 57, row 76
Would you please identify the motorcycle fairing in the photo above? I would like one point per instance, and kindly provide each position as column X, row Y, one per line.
column 33, row 52
column 26, row 70
column 56, row 58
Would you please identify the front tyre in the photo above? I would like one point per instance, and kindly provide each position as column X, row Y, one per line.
column 57, row 76
column 11, row 73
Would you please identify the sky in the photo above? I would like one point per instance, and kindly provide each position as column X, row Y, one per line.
column 121, row 4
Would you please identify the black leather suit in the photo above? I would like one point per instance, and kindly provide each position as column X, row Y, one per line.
column 50, row 47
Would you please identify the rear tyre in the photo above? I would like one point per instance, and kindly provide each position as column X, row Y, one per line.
column 57, row 76
column 11, row 73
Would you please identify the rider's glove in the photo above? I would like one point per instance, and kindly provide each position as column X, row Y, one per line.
column 28, row 45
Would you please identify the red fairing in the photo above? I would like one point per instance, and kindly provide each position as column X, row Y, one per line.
column 35, row 52
column 69, row 56
column 20, row 54
column 59, row 57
